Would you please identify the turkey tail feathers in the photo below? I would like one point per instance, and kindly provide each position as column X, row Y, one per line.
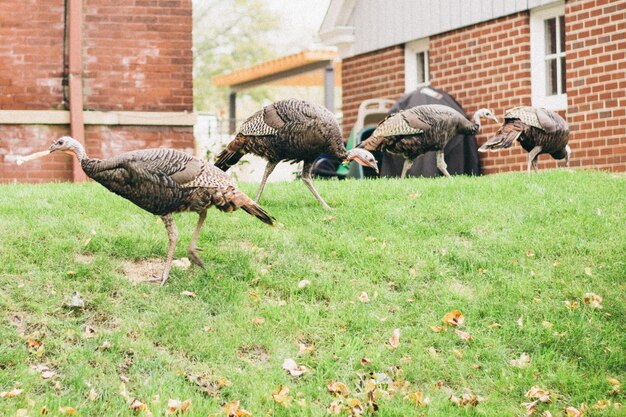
column 505, row 137
column 227, row 159
column 259, row 212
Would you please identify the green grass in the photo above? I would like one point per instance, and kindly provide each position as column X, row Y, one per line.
column 463, row 243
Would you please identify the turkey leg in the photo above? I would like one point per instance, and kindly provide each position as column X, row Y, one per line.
column 268, row 170
column 406, row 167
column 441, row 164
column 172, row 234
column 306, row 178
column 194, row 239
column 532, row 158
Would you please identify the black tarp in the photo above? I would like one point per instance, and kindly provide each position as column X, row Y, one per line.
column 461, row 153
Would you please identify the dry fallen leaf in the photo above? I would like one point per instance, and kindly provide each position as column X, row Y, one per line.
column 439, row 329
column 33, row 343
column 494, row 325
column 281, row 396
column 92, row 395
column 363, row 297
column 338, row 388
column 593, row 300
column 418, row 398
column 258, row 320
column 520, row 322
column 540, row 393
column 571, row 304
column 588, row 271
column 530, row 407
column 523, row 361
column 293, row 369
column 457, row 353
column 613, row 381
column 394, row 340
column 89, row 332
column 188, row 293
column 68, row 411
column 454, row 318
column 177, row 406
column 547, row 324
column 304, row 283
column 365, row 361
column 75, row 301
column 138, row 406
column 334, row 408
column 600, row 405
column 467, row 398
column 106, row 345
column 547, row 414
column 414, row 195
column 254, row 296
column 573, row 412
column 10, row 394
column 466, row 337
column 232, row 409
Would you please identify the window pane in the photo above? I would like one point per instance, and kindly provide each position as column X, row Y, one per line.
column 550, row 25
column 562, row 34
column 563, row 75
column 551, row 80
column 421, row 69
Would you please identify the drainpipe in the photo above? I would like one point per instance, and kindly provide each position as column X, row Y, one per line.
column 75, row 41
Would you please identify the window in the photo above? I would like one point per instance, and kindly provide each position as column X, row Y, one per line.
column 547, row 47
column 416, row 64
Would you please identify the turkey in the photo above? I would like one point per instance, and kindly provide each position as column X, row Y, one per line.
column 165, row 181
column 415, row 131
column 537, row 130
column 291, row 130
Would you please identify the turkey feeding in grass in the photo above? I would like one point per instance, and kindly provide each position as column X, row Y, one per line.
column 291, row 130
column 537, row 130
column 165, row 181
column 415, row 131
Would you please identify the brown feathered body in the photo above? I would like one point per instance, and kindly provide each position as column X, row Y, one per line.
column 164, row 181
column 420, row 129
column 288, row 130
column 532, row 127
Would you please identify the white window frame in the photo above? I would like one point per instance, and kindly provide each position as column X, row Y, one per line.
column 411, row 49
column 538, row 56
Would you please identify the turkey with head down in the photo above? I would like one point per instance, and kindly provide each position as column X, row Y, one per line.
column 291, row 130
column 537, row 130
column 165, row 181
column 415, row 131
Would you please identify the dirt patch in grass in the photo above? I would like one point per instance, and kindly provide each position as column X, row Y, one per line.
column 84, row 259
column 253, row 353
column 19, row 321
column 143, row 270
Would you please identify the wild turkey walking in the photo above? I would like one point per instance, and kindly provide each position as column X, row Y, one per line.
column 537, row 130
column 165, row 181
column 415, row 131
column 291, row 130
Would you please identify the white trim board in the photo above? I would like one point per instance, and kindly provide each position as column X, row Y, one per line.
column 109, row 118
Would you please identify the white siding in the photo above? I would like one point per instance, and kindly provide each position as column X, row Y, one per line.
column 382, row 23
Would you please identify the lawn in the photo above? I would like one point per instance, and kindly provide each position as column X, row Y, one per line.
column 515, row 254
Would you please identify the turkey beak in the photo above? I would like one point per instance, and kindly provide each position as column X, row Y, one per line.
column 494, row 118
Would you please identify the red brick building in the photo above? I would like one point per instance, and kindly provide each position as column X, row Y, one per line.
column 567, row 56
column 116, row 72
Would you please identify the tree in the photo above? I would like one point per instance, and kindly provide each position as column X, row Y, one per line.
column 228, row 35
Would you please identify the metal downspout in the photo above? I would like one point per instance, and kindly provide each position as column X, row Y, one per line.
column 75, row 41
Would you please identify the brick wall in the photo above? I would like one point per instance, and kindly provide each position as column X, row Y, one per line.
column 378, row 74
column 31, row 54
column 596, row 82
column 487, row 65
column 136, row 57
